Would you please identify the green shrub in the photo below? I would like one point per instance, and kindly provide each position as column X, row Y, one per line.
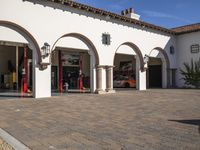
column 191, row 73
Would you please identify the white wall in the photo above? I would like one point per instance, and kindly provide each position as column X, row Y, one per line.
column 10, row 35
column 52, row 23
column 184, row 43
column 49, row 23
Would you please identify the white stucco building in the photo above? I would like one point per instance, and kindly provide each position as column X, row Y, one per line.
column 86, row 48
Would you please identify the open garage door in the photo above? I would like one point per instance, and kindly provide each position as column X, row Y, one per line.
column 129, row 65
column 70, row 71
column 74, row 60
column 124, row 74
column 155, row 76
column 158, row 69
column 18, row 67
column 155, row 73
column 15, row 70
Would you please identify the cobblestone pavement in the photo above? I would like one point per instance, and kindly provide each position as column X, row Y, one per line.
column 132, row 120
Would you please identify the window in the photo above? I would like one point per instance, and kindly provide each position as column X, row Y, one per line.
column 106, row 39
column 172, row 51
column 195, row 48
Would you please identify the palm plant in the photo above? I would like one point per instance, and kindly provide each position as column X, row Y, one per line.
column 191, row 73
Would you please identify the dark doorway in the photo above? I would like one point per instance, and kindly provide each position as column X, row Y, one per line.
column 71, row 76
column 173, row 73
column 155, row 76
column 54, row 77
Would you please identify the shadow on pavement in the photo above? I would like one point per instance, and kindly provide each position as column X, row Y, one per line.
column 195, row 122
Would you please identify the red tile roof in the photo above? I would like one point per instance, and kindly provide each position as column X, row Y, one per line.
column 187, row 28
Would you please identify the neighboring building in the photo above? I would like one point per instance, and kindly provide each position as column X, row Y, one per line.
column 188, row 47
column 59, row 45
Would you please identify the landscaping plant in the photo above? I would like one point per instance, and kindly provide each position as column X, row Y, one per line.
column 191, row 73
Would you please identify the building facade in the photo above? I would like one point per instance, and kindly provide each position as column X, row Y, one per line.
column 58, row 45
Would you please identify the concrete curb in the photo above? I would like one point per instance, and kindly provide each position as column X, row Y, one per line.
column 13, row 142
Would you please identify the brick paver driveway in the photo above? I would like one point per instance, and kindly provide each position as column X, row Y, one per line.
column 149, row 120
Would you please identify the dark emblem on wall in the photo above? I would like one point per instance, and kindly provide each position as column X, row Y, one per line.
column 195, row 48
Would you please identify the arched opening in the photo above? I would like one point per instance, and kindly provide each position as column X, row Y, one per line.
column 158, row 69
column 17, row 48
column 74, row 59
column 128, row 61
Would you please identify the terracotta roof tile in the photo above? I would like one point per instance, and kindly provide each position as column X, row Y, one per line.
column 187, row 28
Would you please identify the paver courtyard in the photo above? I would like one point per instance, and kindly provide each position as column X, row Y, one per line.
column 133, row 120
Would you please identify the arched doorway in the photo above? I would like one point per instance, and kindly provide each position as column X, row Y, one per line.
column 17, row 63
column 128, row 63
column 158, row 69
column 73, row 69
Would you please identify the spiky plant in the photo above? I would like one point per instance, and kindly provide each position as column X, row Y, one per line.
column 191, row 73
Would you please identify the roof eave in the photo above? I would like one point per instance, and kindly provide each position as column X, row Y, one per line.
column 112, row 15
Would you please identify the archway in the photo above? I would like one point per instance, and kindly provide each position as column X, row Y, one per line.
column 158, row 69
column 75, row 67
column 127, row 66
column 26, row 34
column 136, row 49
column 18, row 76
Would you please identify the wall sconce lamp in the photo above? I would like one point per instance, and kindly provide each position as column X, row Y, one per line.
column 45, row 50
column 146, row 59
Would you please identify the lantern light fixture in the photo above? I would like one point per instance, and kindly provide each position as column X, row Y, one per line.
column 146, row 59
column 45, row 50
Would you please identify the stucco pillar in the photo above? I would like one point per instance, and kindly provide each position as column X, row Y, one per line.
column 140, row 76
column 99, row 70
column 41, row 79
column 164, row 74
column 17, row 67
column 168, row 77
column 109, row 79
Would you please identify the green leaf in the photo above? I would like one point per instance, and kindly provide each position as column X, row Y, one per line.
column 191, row 73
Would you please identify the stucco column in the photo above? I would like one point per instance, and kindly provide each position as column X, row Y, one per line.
column 17, row 67
column 164, row 74
column 99, row 70
column 168, row 77
column 109, row 79
column 41, row 78
column 140, row 76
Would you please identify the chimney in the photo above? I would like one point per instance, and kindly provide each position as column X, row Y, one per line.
column 130, row 14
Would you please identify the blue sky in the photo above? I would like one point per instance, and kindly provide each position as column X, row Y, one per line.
column 166, row 13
